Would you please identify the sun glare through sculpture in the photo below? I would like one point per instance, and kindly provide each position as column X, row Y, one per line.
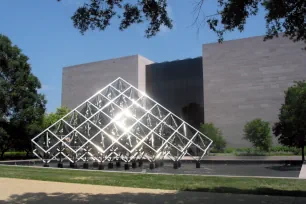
column 120, row 122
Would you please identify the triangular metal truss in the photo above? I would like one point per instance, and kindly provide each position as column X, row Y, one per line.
column 120, row 122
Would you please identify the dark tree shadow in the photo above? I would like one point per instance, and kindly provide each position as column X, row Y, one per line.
column 147, row 198
column 70, row 198
column 285, row 168
column 257, row 191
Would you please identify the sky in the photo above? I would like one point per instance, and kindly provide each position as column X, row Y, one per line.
column 43, row 29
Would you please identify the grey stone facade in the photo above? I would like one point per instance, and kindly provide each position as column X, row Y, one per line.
column 245, row 79
column 237, row 81
column 79, row 82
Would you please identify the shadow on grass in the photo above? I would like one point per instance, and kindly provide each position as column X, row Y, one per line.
column 257, row 191
column 147, row 198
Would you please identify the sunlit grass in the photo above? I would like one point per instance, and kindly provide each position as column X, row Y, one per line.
column 265, row 186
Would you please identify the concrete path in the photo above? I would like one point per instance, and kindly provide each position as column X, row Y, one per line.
column 210, row 158
column 37, row 192
column 262, row 158
column 303, row 171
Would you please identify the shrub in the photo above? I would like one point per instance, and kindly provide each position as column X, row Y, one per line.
column 214, row 134
column 229, row 150
column 251, row 152
column 258, row 132
column 244, row 149
column 274, row 151
column 297, row 151
column 12, row 155
column 284, row 149
column 15, row 154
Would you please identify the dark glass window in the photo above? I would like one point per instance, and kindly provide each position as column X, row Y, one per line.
column 178, row 85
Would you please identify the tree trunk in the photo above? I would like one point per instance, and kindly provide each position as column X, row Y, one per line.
column 2, row 154
column 303, row 155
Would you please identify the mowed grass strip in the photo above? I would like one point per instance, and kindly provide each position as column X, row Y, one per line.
column 259, row 186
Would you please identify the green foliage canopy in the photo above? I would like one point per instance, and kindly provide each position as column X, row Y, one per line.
column 21, row 106
column 97, row 14
column 214, row 134
column 286, row 16
column 51, row 118
column 258, row 132
column 291, row 128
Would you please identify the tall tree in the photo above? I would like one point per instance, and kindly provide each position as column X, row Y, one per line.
column 286, row 16
column 291, row 128
column 21, row 105
column 51, row 118
column 97, row 14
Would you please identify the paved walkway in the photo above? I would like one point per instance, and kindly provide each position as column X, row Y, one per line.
column 262, row 158
column 37, row 192
column 303, row 171
column 211, row 158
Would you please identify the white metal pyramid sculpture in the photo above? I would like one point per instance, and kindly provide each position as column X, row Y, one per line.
column 120, row 122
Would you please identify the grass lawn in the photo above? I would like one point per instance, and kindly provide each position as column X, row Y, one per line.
column 245, row 154
column 262, row 186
